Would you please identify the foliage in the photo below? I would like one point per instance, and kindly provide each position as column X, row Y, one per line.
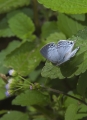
column 40, row 90
column 15, row 115
column 31, row 97
column 72, row 7
column 9, row 5
column 20, row 24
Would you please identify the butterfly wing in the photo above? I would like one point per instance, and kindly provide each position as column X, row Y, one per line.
column 50, row 52
column 65, row 46
column 71, row 54
column 59, row 53
column 65, row 50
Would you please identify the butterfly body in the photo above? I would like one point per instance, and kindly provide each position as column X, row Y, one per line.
column 60, row 52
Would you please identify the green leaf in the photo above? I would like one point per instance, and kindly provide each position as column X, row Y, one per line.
column 82, row 84
column 55, row 37
column 70, row 100
column 31, row 97
column 6, row 6
column 5, row 31
column 12, row 46
column 34, row 75
column 2, row 89
column 25, row 58
column 71, row 112
column 72, row 7
column 15, row 115
column 21, row 25
column 68, row 25
column 82, row 112
column 2, row 92
column 78, row 17
column 3, row 112
column 48, row 28
column 40, row 118
column 28, row 12
column 1, row 82
column 51, row 71
column 82, row 109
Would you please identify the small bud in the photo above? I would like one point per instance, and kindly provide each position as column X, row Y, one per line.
column 12, row 72
column 7, row 93
column 37, row 85
column 7, row 86
column 31, row 87
column 10, row 80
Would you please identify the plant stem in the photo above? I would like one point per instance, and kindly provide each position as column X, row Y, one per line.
column 4, row 77
column 24, row 79
column 36, row 17
column 60, row 92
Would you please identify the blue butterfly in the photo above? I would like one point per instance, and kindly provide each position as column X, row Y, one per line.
column 60, row 52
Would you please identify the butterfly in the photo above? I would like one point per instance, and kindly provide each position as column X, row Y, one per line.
column 59, row 53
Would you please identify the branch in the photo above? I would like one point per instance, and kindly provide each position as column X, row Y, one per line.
column 36, row 16
column 60, row 92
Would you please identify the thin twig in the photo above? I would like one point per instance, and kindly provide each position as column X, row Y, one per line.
column 36, row 16
column 60, row 92
column 4, row 77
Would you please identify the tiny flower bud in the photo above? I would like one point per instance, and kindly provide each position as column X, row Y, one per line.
column 7, row 86
column 31, row 87
column 12, row 72
column 7, row 93
column 10, row 80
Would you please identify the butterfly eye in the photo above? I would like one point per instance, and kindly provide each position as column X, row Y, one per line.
column 71, row 42
column 52, row 45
